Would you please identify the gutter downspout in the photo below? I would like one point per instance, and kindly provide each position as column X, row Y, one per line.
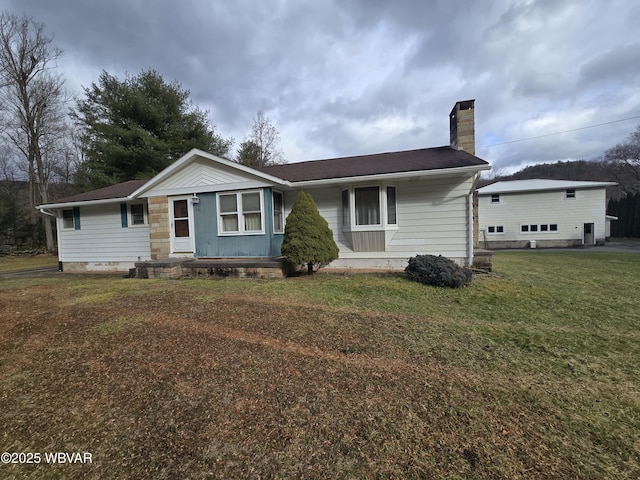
column 474, row 183
column 46, row 211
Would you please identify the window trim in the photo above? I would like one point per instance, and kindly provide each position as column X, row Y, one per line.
column 145, row 215
column 496, row 230
column 550, row 228
column 239, row 212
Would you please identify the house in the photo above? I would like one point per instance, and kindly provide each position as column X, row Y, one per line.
column 382, row 208
column 542, row 213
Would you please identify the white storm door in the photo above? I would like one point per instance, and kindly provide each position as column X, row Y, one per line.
column 181, row 225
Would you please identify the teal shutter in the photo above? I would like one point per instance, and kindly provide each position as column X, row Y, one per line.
column 76, row 218
column 123, row 215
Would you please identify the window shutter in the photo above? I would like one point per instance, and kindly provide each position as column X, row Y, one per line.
column 76, row 218
column 123, row 215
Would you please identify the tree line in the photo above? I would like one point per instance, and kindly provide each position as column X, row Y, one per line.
column 118, row 130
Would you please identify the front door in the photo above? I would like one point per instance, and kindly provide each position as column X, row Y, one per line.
column 181, row 224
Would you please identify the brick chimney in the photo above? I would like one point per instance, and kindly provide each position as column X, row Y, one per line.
column 462, row 130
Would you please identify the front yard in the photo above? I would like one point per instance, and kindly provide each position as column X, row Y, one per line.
column 528, row 373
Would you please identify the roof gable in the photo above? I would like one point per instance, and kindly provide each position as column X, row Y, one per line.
column 198, row 170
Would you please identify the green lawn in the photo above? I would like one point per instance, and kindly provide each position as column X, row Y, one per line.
column 531, row 372
column 23, row 262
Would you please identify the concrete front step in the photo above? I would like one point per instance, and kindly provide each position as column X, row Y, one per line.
column 174, row 268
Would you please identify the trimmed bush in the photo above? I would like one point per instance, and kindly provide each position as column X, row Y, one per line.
column 438, row 271
column 307, row 236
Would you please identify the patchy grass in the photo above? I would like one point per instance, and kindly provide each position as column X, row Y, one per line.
column 119, row 324
column 527, row 373
column 11, row 263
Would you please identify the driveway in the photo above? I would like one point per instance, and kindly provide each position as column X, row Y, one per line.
column 618, row 245
column 621, row 245
column 32, row 272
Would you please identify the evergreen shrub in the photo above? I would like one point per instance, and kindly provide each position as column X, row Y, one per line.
column 438, row 271
column 307, row 236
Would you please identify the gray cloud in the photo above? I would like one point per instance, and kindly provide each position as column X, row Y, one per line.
column 345, row 78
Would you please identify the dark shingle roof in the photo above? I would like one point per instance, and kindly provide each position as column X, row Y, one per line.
column 437, row 158
column 120, row 190
column 380, row 163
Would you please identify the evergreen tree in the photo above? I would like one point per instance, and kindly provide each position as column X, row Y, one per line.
column 136, row 127
column 307, row 236
column 261, row 148
column 249, row 154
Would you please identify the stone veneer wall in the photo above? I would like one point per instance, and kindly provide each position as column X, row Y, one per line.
column 159, row 227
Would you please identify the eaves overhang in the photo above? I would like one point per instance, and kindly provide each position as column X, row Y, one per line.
column 48, row 206
column 452, row 172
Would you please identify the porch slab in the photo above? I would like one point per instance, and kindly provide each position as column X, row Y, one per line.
column 235, row 267
column 174, row 268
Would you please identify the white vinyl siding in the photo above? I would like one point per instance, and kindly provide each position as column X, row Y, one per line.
column 545, row 208
column 432, row 218
column 102, row 238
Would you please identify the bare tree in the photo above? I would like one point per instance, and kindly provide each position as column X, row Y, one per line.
column 32, row 97
column 261, row 149
column 623, row 161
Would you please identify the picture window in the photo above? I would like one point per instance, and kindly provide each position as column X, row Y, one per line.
column 240, row 212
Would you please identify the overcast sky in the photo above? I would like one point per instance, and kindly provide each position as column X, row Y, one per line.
column 351, row 77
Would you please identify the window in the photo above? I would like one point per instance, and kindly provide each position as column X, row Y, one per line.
column 181, row 218
column 138, row 214
column 67, row 219
column 391, row 206
column 367, row 205
column 345, row 208
column 493, row 229
column 495, row 198
column 543, row 227
column 229, row 213
column 240, row 212
column 71, row 219
column 372, row 206
column 278, row 212
column 571, row 193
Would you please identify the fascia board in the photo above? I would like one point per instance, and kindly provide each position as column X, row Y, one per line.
column 47, row 206
column 505, row 191
column 393, row 176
